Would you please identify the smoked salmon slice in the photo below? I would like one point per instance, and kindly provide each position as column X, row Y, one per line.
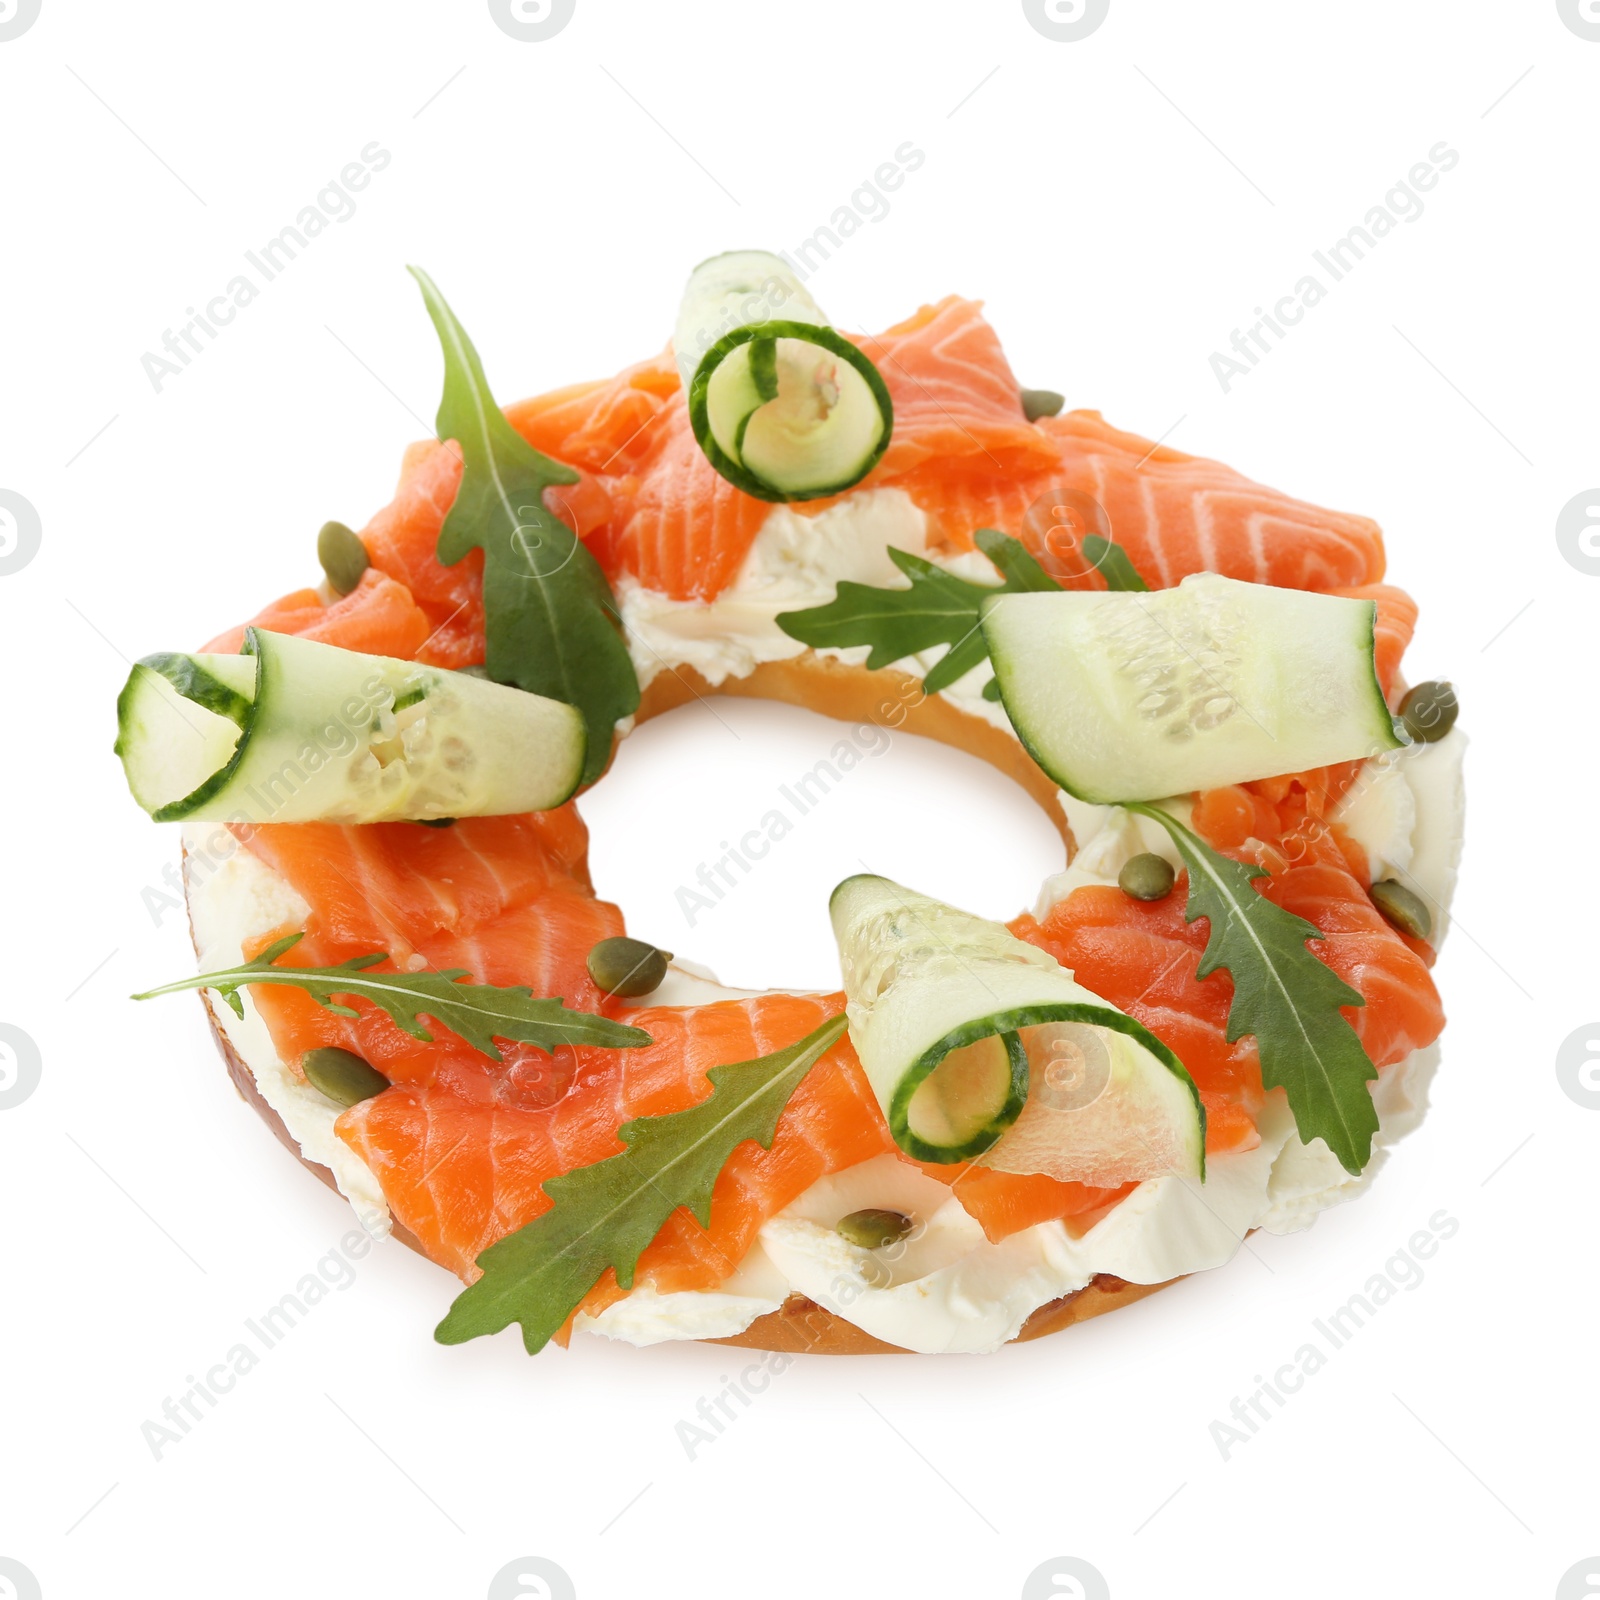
column 956, row 399
column 391, row 885
column 462, row 1170
column 378, row 617
column 1176, row 514
column 652, row 508
column 1143, row 956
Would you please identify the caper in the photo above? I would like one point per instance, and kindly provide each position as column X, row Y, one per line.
column 1038, row 403
column 628, row 967
column 873, row 1228
column 1147, row 877
column 437, row 822
column 342, row 1075
column 1429, row 711
column 1407, row 911
column 343, row 557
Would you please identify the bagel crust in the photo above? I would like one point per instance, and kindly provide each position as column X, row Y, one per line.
column 847, row 693
column 805, row 1328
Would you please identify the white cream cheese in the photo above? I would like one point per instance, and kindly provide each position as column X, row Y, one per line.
column 1407, row 809
column 797, row 562
column 232, row 900
column 1108, row 838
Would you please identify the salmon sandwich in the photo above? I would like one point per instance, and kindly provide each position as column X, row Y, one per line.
column 1216, row 1018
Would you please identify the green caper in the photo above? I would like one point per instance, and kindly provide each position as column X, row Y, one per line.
column 873, row 1228
column 1147, row 877
column 1407, row 911
column 342, row 1075
column 628, row 967
column 1429, row 711
column 343, row 557
column 1038, row 403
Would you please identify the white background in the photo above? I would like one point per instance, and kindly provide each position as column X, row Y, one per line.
column 559, row 192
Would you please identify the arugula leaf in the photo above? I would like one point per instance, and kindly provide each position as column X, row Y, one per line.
column 938, row 608
column 1015, row 563
column 1282, row 995
column 550, row 620
column 605, row 1214
column 479, row 1012
column 1112, row 563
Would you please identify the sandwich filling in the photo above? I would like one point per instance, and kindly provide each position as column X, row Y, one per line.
column 949, row 1287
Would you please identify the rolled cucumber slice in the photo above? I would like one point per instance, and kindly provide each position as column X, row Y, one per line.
column 1127, row 696
column 784, row 407
column 966, row 1032
column 296, row 731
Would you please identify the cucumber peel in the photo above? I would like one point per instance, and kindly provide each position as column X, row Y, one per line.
column 1126, row 696
column 296, row 731
column 960, row 1027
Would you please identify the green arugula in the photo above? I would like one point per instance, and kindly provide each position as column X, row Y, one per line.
column 1284, row 996
column 1112, row 563
column 549, row 616
column 479, row 1012
column 938, row 608
column 605, row 1214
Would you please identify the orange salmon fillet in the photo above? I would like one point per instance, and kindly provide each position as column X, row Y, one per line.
column 651, row 507
column 462, row 1169
column 1143, row 956
column 378, row 617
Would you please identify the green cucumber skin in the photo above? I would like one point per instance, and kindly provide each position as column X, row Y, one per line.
column 813, row 333
column 1006, row 1019
column 265, row 694
column 193, row 682
column 763, row 367
column 1382, row 705
column 1011, row 1022
column 177, row 810
column 1016, row 1098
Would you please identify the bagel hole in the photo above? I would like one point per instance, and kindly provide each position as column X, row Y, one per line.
column 723, row 827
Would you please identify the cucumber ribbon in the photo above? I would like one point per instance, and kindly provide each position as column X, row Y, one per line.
column 784, row 407
column 980, row 1045
column 296, row 731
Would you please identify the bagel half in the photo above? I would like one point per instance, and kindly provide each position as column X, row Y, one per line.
column 845, row 693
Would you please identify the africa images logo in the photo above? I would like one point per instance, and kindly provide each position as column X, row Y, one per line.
column 17, row 1581
column 531, row 21
column 531, row 1578
column 1578, row 1066
column 16, row 17
column 1066, row 21
column 1582, row 16
column 1065, row 1578
column 21, row 532
column 20, row 1066
column 1578, row 533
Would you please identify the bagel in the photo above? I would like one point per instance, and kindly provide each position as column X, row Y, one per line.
column 698, row 585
